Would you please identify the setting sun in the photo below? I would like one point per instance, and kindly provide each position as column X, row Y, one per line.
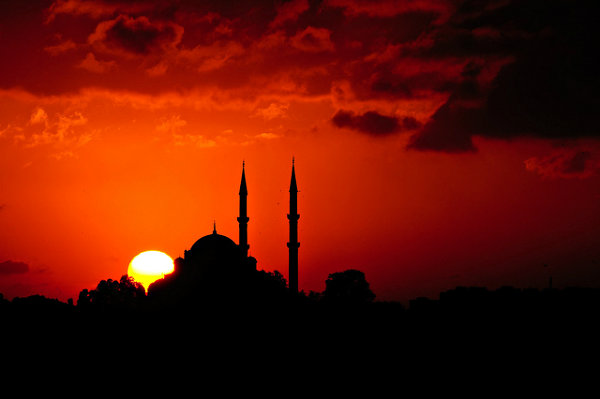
column 149, row 266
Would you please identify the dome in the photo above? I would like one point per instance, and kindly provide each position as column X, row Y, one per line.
column 214, row 242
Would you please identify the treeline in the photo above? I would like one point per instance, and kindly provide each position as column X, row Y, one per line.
column 346, row 293
column 266, row 289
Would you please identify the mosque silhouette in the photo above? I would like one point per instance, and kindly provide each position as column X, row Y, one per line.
column 216, row 268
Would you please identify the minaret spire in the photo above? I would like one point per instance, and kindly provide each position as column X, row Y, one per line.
column 243, row 218
column 293, row 244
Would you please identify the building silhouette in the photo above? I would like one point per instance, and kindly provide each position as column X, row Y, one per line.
column 217, row 268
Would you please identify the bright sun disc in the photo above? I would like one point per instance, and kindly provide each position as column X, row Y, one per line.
column 150, row 266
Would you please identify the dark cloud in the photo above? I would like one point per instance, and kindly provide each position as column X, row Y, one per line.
column 452, row 126
column 373, row 123
column 289, row 11
column 548, row 94
column 449, row 130
column 567, row 163
column 578, row 162
column 10, row 267
column 137, row 35
column 410, row 123
column 549, row 90
column 399, row 88
column 313, row 40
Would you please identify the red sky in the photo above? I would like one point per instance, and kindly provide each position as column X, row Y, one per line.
column 437, row 142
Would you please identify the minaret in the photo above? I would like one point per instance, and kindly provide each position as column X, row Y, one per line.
column 293, row 244
column 243, row 219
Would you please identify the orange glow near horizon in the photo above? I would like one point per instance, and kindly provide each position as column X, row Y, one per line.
column 149, row 266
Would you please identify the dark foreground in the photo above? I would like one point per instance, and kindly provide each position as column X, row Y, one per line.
column 470, row 337
column 472, row 317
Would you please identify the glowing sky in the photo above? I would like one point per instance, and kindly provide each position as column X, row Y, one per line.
column 437, row 142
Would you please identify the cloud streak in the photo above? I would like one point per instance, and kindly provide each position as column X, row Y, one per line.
column 11, row 267
column 571, row 163
column 373, row 123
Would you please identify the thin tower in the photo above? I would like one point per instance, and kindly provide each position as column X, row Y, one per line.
column 243, row 219
column 293, row 244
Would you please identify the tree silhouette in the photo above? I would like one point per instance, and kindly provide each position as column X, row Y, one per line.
column 125, row 294
column 3, row 302
column 349, row 287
